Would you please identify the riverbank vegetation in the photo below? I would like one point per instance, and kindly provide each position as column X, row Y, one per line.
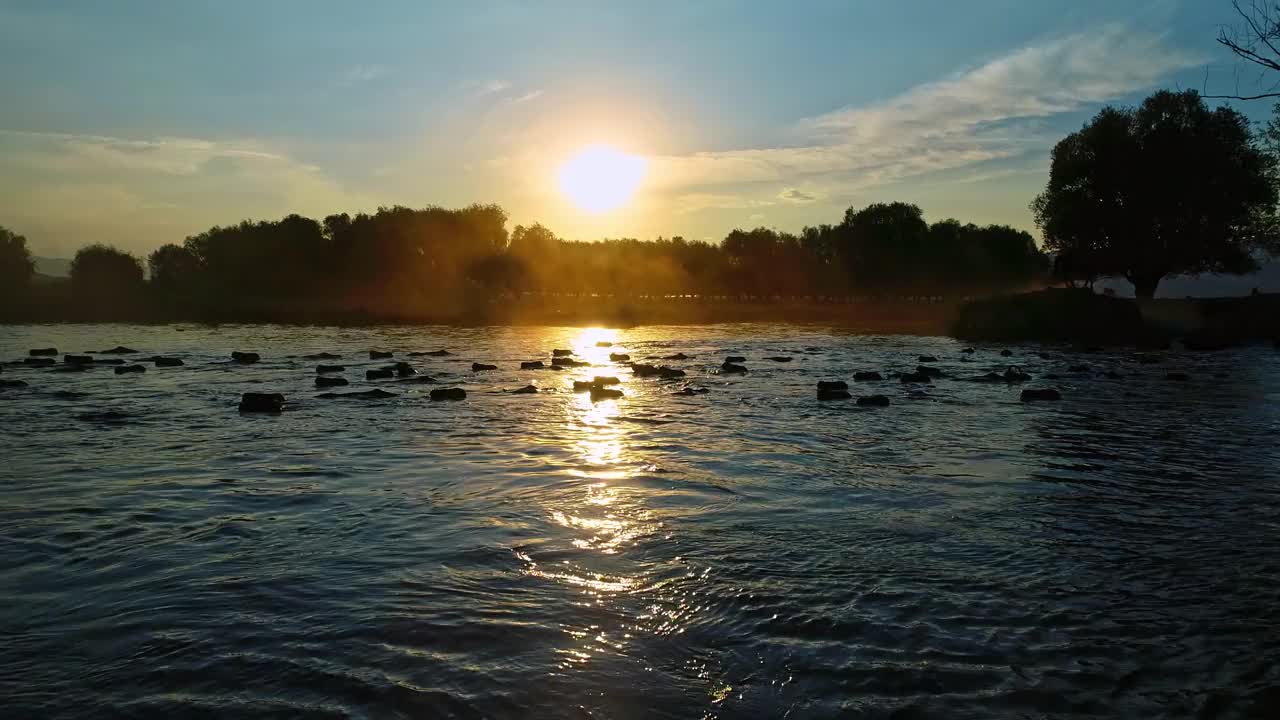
column 436, row 264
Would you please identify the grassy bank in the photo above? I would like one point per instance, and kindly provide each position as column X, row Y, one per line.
column 1081, row 316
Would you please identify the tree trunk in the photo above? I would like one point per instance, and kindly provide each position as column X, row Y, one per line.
column 1144, row 286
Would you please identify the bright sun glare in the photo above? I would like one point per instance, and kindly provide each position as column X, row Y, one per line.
column 601, row 178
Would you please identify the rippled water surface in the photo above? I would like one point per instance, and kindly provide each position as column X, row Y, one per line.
column 747, row 553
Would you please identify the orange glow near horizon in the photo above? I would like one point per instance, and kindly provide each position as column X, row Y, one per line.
column 600, row 178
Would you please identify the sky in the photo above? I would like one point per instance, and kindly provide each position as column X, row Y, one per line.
column 139, row 123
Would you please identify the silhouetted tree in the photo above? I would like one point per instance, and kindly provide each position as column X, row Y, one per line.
column 1168, row 188
column 885, row 245
column 175, row 271
column 1255, row 40
column 16, row 265
column 108, row 278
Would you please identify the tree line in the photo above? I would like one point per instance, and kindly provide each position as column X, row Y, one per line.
column 406, row 259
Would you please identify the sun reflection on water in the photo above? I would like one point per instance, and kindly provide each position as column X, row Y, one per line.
column 600, row 513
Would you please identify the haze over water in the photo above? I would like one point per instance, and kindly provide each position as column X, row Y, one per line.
column 747, row 553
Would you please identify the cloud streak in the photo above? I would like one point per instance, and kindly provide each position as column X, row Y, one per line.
column 983, row 114
column 143, row 192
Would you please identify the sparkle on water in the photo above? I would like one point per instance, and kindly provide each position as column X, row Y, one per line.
column 747, row 553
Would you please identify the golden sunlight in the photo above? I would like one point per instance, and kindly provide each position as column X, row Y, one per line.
column 600, row 178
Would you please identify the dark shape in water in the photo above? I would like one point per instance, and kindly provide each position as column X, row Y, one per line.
column 604, row 393
column 833, row 385
column 779, row 358
column 245, row 358
column 380, row 354
column 118, row 350
column 874, row 401
column 930, row 371
column 1113, row 375
column 561, row 353
column 596, row 382
column 833, row 394
column 678, row 356
column 526, row 390
column 867, row 376
column 1177, row 376
column 449, row 394
column 167, row 361
column 126, row 369
column 619, row 357
column 1006, row 353
column 330, row 368
column 41, row 352
column 1013, row 373
column 664, row 372
column 379, row 374
column 1045, row 356
column 375, row 394
column 927, row 359
column 534, row 365
column 261, row 402
column 968, row 351
column 732, row 369
column 438, row 353
column 322, row 356
column 735, row 359
column 564, row 362
column 38, row 361
column 1033, row 394
column 914, row 377
column 77, row 359
column 691, row 391
column 331, row 382
column 1079, row 369
column 404, row 369
column 12, row 383
column 478, row 367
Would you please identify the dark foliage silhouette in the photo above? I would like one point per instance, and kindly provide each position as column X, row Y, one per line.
column 436, row 262
column 1167, row 188
column 16, row 265
column 105, row 277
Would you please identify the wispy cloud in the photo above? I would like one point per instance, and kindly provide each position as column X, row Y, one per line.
column 142, row 192
column 799, row 197
column 492, row 87
column 976, row 116
column 531, row 95
column 360, row 74
column 693, row 202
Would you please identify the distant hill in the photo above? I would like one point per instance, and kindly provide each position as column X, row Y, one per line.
column 53, row 267
column 1267, row 280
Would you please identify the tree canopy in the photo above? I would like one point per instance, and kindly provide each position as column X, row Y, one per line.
column 1171, row 187
column 434, row 261
column 16, row 265
column 105, row 276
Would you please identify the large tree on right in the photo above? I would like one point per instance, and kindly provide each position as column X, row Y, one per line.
column 1171, row 187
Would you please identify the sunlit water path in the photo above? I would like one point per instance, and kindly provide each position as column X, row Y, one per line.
column 747, row 553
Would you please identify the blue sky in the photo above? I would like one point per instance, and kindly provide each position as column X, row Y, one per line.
column 138, row 123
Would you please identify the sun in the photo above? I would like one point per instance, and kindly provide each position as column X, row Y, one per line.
column 600, row 178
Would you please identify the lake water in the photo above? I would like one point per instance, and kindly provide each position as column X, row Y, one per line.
column 747, row 553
